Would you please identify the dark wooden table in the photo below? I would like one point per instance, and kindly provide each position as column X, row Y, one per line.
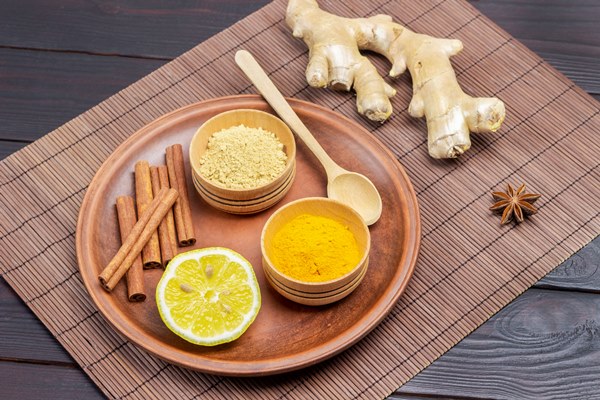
column 59, row 58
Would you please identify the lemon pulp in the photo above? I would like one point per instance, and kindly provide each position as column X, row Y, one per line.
column 208, row 296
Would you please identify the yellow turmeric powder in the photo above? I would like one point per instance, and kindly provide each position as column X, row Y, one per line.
column 312, row 248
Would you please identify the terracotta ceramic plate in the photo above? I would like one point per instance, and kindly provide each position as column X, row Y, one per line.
column 285, row 336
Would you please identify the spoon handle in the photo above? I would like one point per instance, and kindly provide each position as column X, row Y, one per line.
column 273, row 96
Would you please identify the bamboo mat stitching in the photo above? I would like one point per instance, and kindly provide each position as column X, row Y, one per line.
column 31, row 258
column 105, row 356
column 294, row 387
column 53, row 287
column 251, row 85
column 148, row 380
column 415, row 19
column 45, row 211
column 57, row 285
column 486, row 56
column 208, row 389
column 81, row 321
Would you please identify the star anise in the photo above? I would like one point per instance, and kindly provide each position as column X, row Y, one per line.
column 514, row 204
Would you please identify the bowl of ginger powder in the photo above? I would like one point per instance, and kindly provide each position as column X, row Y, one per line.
column 243, row 161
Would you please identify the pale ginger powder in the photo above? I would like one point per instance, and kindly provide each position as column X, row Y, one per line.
column 242, row 158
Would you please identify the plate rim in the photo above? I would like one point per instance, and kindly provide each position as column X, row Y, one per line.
column 241, row 368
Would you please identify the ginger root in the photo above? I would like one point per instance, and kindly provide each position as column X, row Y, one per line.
column 335, row 60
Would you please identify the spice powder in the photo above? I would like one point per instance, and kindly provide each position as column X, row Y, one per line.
column 313, row 248
column 243, row 158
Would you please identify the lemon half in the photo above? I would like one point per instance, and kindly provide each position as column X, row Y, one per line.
column 208, row 296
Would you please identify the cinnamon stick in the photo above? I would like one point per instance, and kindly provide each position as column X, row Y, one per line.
column 163, row 175
column 135, row 274
column 181, row 210
column 137, row 239
column 143, row 197
column 166, row 248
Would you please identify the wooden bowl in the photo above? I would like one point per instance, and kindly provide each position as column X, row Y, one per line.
column 315, row 293
column 315, row 299
column 243, row 201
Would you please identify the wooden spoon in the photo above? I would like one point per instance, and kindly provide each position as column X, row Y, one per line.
column 351, row 188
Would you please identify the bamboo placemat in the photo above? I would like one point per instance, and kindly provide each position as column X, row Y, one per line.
column 469, row 266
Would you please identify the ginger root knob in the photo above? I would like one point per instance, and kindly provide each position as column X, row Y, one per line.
column 335, row 60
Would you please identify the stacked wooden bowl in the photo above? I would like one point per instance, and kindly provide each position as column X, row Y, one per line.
column 315, row 293
column 243, row 201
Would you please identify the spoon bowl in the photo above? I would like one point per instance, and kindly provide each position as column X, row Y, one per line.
column 350, row 188
column 358, row 192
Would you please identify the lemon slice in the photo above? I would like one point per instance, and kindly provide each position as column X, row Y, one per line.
column 208, row 296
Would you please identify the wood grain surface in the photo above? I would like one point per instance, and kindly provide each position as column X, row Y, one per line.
column 542, row 345
column 60, row 58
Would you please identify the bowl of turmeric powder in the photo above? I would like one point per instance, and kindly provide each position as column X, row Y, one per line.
column 243, row 161
column 315, row 250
